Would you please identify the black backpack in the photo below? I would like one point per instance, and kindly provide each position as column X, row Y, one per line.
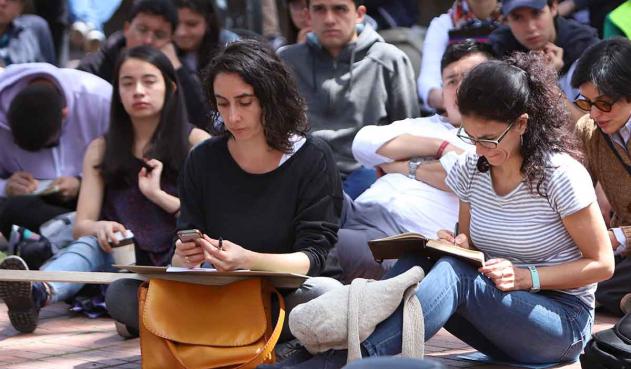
column 609, row 349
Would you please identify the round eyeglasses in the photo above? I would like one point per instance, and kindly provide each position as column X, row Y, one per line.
column 486, row 143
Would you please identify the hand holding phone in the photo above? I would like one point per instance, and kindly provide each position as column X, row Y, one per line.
column 189, row 235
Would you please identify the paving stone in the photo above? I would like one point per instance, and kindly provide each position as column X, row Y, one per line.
column 65, row 340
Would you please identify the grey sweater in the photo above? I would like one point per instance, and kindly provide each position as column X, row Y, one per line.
column 370, row 82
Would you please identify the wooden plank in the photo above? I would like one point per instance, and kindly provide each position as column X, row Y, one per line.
column 283, row 281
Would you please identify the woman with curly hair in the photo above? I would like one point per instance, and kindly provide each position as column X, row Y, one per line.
column 269, row 192
column 531, row 208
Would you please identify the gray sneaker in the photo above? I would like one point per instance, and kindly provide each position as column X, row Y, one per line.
column 19, row 297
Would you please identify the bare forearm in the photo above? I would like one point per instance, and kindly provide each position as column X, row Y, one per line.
column 574, row 274
column 84, row 227
column 296, row 262
column 167, row 202
column 433, row 174
column 407, row 146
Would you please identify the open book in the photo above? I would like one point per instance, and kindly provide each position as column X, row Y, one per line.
column 394, row 247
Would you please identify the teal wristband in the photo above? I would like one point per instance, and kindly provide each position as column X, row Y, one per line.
column 534, row 275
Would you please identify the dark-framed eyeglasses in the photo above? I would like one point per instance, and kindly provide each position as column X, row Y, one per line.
column 586, row 104
column 486, row 143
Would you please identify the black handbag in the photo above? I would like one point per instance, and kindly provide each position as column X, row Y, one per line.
column 610, row 348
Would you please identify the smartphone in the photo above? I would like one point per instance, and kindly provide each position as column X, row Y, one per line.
column 123, row 238
column 189, row 235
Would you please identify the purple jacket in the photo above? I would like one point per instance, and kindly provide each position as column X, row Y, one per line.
column 88, row 102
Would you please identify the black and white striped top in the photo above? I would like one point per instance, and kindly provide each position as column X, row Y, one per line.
column 522, row 226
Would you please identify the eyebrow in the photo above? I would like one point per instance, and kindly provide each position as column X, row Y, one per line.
column 237, row 97
column 143, row 76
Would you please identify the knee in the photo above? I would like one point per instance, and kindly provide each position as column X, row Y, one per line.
column 121, row 298
column 316, row 286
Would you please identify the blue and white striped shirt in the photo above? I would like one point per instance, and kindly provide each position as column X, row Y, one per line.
column 523, row 226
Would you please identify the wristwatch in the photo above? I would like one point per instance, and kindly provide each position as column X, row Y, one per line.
column 413, row 164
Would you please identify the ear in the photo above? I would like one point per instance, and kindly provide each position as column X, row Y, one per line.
column 554, row 8
column 126, row 27
column 361, row 12
column 64, row 113
column 522, row 123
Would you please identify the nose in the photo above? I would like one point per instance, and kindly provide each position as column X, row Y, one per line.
column 148, row 39
column 329, row 17
column 179, row 31
column 139, row 89
column 233, row 114
column 594, row 112
column 531, row 24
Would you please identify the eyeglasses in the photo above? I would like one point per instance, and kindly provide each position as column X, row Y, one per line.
column 488, row 144
column 586, row 104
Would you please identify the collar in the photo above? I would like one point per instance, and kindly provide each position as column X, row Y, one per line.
column 625, row 132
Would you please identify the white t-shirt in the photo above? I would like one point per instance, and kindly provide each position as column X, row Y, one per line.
column 414, row 205
column 523, row 226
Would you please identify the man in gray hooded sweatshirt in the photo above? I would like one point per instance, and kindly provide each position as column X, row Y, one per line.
column 350, row 77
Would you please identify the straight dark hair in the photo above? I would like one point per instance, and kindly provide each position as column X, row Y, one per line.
column 162, row 8
column 169, row 142
column 503, row 90
column 284, row 112
column 460, row 50
column 607, row 65
column 210, row 42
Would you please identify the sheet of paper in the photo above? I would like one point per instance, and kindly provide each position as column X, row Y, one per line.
column 183, row 269
column 44, row 187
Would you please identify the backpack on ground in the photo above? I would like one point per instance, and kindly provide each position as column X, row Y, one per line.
column 610, row 348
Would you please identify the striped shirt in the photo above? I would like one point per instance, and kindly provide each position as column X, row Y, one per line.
column 522, row 226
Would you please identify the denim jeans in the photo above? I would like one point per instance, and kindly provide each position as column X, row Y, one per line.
column 83, row 255
column 358, row 181
column 517, row 326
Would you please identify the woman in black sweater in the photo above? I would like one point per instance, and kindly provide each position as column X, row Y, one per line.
column 271, row 193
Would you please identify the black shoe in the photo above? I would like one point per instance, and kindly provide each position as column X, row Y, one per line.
column 288, row 353
column 24, row 299
column 332, row 359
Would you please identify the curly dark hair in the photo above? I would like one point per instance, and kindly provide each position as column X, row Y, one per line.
column 504, row 90
column 284, row 112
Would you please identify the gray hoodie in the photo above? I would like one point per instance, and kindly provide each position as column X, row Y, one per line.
column 370, row 82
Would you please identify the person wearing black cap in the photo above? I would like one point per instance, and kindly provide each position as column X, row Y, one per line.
column 535, row 25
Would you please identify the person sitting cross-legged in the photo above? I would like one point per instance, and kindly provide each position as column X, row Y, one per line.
column 129, row 182
column 531, row 208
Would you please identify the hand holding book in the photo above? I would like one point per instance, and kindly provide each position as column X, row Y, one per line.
column 394, row 247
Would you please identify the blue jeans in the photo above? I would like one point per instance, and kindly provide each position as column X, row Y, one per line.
column 517, row 326
column 358, row 181
column 83, row 255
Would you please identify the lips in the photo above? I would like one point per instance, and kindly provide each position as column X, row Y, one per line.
column 140, row 105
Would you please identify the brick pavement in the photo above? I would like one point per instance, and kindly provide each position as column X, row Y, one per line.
column 64, row 340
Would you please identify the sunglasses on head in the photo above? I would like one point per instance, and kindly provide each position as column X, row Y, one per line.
column 586, row 104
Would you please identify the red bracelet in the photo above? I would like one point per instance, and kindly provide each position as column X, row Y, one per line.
column 441, row 148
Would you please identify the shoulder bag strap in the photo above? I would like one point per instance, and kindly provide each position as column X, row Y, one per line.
column 268, row 349
column 611, row 146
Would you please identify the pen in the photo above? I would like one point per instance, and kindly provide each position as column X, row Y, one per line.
column 220, row 247
column 455, row 232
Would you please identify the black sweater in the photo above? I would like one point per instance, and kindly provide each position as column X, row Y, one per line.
column 295, row 207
